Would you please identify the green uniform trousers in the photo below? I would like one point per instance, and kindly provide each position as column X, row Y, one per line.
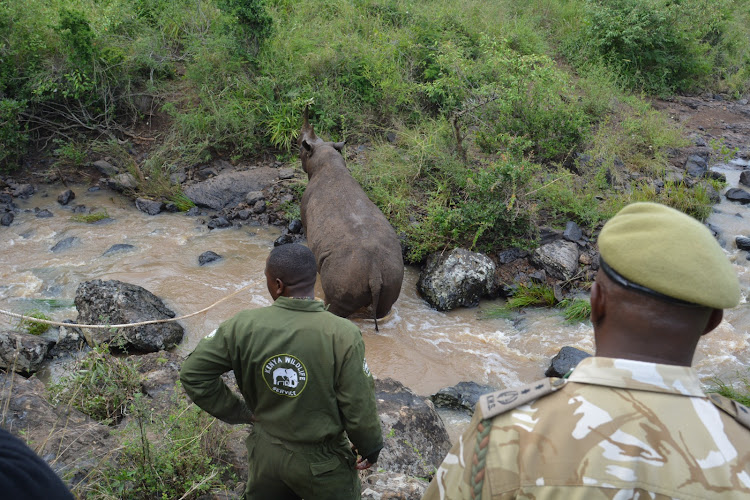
column 289, row 471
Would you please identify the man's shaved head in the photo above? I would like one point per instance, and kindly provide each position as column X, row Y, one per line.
column 294, row 264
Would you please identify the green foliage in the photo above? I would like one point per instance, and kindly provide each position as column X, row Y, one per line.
column 92, row 217
column 177, row 455
column 575, row 310
column 254, row 23
column 694, row 201
column 70, row 153
column 101, row 386
column 721, row 152
column 534, row 295
column 13, row 135
column 32, row 327
column 181, row 201
column 738, row 391
column 77, row 34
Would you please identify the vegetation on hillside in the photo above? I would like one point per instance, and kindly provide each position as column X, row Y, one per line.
column 480, row 119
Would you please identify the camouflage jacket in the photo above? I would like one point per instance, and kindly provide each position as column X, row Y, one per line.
column 616, row 429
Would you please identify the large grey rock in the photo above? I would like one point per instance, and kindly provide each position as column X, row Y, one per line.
column 565, row 360
column 572, row 231
column 151, row 207
column 122, row 182
column 66, row 197
column 745, row 178
column 457, row 278
column 22, row 352
column 106, row 168
column 64, row 244
column 415, row 438
column 462, row 396
column 696, row 166
column 7, row 219
column 114, row 302
column 743, row 242
column 230, row 188
column 207, row 257
column 737, row 194
column 559, row 259
column 119, row 248
column 21, row 190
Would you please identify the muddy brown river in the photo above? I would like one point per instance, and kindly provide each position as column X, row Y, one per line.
column 423, row 348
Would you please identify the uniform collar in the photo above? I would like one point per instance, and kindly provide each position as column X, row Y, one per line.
column 638, row 375
column 299, row 304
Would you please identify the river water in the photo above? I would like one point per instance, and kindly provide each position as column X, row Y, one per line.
column 422, row 348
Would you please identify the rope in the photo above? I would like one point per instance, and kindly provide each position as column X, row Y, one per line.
column 124, row 325
column 480, row 458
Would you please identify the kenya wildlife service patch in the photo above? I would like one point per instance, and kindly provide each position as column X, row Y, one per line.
column 285, row 375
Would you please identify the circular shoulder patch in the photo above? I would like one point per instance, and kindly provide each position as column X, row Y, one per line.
column 285, row 375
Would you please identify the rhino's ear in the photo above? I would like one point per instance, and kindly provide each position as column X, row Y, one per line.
column 338, row 146
column 307, row 146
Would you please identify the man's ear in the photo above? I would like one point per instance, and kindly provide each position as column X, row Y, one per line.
column 598, row 303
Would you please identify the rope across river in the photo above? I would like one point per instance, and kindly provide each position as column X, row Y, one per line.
column 124, row 325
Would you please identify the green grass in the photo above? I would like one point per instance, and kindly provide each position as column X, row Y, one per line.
column 739, row 391
column 92, row 217
column 32, row 327
column 575, row 310
column 535, row 295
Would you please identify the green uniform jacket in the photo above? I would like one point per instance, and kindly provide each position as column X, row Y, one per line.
column 617, row 429
column 301, row 370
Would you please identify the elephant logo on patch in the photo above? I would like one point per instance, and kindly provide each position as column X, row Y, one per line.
column 286, row 377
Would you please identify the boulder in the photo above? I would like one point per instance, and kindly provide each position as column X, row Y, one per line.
column 44, row 214
column 66, row 197
column 122, row 182
column 68, row 340
column 254, row 197
column 737, row 194
column 415, row 438
column 745, row 178
column 230, row 188
column 572, row 232
column 72, row 443
column 119, row 248
column 22, row 352
column 207, row 257
column 462, row 396
column 743, row 242
column 64, row 244
column 457, row 278
column 151, row 207
column 511, row 254
column 219, row 223
column 565, row 360
column 696, row 166
column 559, row 259
column 21, row 190
column 114, row 302
column 7, row 219
column 106, row 168
column 295, row 227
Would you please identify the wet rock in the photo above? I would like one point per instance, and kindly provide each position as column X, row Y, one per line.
column 295, row 227
column 44, row 214
column 254, row 197
column 559, row 259
column 122, row 182
column 230, row 188
column 79, row 209
column 207, row 257
column 462, row 396
column 64, row 244
column 259, row 207
column 739, row 195
column 717, row 176
column 415, row 438
column 193, row 212
column 151, row 207
column 22, row 352
column 106, row 168
column 745, row 178
column 22, row 190
column 284, row 239
column 219, row 223
column 565, row 360
column 572, row 231
column 244, row 214
column 7, row 219
column 171, row 207
column 119, row 248
column 457, row 278
column 114, row 302
column 66, row 197
column 6, row 198
column 286, row 173
column 696, row 166
column 69, row 340
column 743, row 242
column 392, row 486
column 510, row 255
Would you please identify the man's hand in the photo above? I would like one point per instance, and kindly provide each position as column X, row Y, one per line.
column 362, row 463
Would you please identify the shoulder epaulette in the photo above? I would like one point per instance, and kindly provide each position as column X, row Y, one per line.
column 498, row 402
column 738, row 411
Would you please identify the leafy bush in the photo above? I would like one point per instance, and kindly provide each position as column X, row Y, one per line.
column 13, row 135
column 102, row 385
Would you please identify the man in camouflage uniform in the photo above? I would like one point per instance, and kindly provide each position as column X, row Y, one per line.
column 632, row 422
column 304, row 381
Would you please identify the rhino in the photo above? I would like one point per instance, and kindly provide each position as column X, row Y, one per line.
column 357, row 251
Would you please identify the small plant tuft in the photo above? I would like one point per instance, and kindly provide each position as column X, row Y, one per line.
column 92, row 217
column 33, row 327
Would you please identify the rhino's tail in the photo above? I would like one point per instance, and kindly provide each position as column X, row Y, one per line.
column 376, row 285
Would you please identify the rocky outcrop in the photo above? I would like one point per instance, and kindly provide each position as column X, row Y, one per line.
column 114, row 302
column 22, row 352
column 565, row 360
column 230, row 188
column 457, row 278
column 415, row 438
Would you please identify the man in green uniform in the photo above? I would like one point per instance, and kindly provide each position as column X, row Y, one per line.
column 305, row 385
column 633, row 421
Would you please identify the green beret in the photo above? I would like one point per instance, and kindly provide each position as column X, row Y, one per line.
column 669, row 252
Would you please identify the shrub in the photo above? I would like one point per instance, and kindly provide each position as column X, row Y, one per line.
column 101, row 386
column 13, row 132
